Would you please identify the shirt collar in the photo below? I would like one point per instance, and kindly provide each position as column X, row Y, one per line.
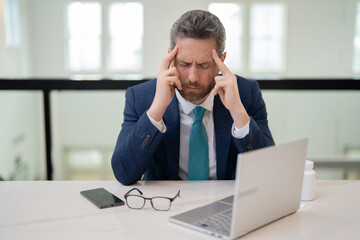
column 187, row 107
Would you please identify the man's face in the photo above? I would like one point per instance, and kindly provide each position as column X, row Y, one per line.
column 196, row 68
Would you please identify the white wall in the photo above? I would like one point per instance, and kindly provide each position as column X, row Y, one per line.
column 46, row 38
column 320, row 38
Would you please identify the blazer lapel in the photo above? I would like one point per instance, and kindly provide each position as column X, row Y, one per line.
column 222, row 124
column 172, row 138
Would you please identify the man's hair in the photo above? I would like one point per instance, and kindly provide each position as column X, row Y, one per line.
column 199, row 24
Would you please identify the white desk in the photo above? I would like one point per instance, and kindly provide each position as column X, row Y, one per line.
column 56, row 210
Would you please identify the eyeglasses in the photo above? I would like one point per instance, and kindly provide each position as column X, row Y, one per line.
column 135, row 201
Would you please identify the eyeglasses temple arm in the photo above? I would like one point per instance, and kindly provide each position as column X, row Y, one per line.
column 133, row 190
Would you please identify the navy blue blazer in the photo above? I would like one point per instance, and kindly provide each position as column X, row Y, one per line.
column 142, row 150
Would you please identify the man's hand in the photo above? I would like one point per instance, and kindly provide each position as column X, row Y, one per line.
column 167, row 80
column 227, row 88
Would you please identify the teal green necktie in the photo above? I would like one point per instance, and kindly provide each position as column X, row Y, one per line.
column 198, row 148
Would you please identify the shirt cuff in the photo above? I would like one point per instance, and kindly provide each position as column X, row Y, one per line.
column 159, row 125
column 240, row 132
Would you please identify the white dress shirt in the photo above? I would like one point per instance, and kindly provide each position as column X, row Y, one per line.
column 186, row 120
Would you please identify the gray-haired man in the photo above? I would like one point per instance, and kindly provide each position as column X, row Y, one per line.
column 156, row 140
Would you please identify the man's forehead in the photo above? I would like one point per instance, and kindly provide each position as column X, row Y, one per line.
column 190, row 56
column 195, row 49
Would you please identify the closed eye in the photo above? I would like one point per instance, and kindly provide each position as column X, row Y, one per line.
column 183, row 63
column 204, row 65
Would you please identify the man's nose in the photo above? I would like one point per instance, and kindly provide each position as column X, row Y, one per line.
column 193, row 74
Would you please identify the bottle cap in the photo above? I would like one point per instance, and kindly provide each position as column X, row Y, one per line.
column 309, row 164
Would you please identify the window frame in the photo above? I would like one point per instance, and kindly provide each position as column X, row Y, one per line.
column 245, row 70
column 282, row 67
column 105, row 39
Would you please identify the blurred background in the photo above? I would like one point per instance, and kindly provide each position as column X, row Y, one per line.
column 126, row 40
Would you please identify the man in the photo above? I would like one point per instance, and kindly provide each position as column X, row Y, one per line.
column 157, row 140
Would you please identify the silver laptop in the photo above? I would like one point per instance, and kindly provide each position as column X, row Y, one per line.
column 267, row 187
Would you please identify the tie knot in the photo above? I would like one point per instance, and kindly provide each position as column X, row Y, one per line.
column 198, row 113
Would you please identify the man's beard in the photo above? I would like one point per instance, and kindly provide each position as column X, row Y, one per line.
column 196, row 97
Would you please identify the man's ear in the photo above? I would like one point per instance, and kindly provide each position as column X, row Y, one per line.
column 223, row 57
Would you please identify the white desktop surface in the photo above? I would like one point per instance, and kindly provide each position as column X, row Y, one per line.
column 56, row 210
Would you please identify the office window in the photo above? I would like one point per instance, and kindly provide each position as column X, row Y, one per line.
column 356, row 60
column 230, row 15
column 117, row 48
column 125, row 39
column 12, row 23
column 266, row 37
column 84, row 39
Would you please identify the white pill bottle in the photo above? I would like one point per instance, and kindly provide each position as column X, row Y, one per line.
column 308, row 188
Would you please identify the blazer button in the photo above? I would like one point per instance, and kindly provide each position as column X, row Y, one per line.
column 146, row 141
column 249, row 147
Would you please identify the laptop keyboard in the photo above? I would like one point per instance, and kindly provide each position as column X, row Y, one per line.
column 219, row 223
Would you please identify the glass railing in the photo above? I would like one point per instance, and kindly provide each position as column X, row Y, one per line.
column 85, row 119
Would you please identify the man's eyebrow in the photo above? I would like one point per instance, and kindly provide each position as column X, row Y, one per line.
column 202, row 63
column 182, row 61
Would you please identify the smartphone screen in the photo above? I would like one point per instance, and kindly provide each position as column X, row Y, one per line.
column 102, row 198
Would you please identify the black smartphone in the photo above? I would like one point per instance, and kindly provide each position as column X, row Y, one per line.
column 102, row 198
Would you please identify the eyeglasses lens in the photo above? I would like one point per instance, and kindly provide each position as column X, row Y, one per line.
column 161, row 204
column 135, row 202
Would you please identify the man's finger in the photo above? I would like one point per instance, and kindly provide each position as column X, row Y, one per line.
column 217, row 87
column 172, row 72
column 178, row 84
column 174, row 81
column 222, row 67
column 169, row 58
column 219, row 78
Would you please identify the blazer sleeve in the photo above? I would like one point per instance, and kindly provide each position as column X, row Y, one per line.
column 136, row 143
column 259, row 133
